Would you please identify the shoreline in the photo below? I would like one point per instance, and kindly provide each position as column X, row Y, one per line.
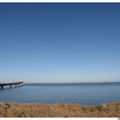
column 58, row 110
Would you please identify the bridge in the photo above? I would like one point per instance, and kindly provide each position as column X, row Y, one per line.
column 11, row 85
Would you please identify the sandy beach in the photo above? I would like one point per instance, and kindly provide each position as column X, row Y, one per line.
column 58, row 110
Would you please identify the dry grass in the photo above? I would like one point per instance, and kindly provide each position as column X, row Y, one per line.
column 58, row 110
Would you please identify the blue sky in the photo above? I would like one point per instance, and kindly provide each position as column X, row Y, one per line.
column 60, row 42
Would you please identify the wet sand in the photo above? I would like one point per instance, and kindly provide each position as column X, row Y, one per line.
column 58, row 110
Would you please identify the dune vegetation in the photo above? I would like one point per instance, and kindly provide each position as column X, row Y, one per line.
column 58, row 110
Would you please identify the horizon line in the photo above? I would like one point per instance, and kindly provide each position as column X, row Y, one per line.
column 68, row 82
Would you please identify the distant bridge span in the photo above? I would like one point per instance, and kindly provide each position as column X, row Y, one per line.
column 11, row 85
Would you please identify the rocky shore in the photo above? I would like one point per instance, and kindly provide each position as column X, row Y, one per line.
column 58, row 110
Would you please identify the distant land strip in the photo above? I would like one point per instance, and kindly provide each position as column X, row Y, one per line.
column 72, row 83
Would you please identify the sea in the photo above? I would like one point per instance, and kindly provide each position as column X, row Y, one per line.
column 75, row 93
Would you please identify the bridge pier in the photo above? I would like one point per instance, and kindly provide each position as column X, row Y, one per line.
column 2, row 87
column 11, row 85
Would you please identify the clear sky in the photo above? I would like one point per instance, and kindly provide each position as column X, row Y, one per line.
column 60, row 42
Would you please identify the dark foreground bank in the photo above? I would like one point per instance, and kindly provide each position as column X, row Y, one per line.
column 58, row 110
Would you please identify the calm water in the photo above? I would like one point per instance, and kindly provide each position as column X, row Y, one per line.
column 85, row 94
